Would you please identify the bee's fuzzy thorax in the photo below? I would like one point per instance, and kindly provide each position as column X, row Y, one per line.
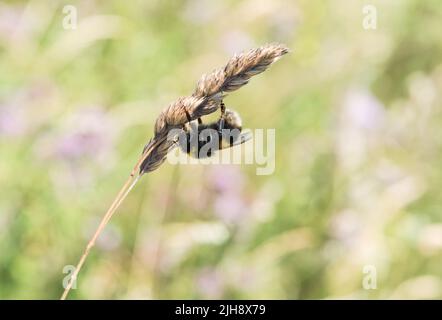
column 232, row 119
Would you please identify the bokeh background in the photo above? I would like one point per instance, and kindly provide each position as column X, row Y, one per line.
column 358, row 179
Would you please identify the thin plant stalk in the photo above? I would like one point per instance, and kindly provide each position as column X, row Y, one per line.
column 122, row 194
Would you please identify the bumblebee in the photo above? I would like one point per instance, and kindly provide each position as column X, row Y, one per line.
column 202, row 140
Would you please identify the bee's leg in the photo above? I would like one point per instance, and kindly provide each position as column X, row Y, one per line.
column 221, row 125
column 223, row 108
column 187, row 128
column 221, row 119
column 189, row 118
column 185, row 145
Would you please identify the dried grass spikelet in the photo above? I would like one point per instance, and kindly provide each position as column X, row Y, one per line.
column 212, row 87
column 238, row 71
column 206, row 99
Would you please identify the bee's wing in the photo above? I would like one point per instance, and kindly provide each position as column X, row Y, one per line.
column 244, row 137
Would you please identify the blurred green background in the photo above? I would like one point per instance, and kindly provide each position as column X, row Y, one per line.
column 358, row 179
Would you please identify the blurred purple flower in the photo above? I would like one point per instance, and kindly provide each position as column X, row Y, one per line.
column 9, row 21
column 228, row 183
column 12, row 122
column 16, row 117
column 226, row 179
column 210, row 284
column 361, row 120
column 346, row 227
column 78, row 144
column 90, row 136
column 363, row 110
column 230, row 207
